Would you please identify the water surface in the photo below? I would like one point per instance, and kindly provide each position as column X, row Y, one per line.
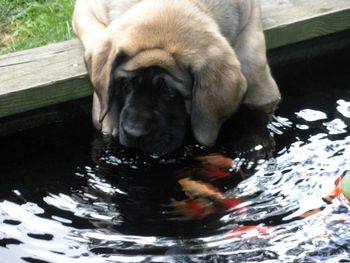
column 67, row 196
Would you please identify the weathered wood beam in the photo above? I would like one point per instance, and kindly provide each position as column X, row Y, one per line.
column 41, row 77
column 305, row 20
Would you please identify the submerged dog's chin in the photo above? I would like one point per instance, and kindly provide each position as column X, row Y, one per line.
column 159, row 149
column 159, row 146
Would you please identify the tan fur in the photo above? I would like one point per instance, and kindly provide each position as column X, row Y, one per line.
column 219, row 42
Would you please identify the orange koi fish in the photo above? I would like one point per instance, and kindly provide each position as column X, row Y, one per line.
column 336, row 192
column 197, row 209
column 212, row 172
column 194, row 188
column 216, row 166
column 216, row 160
column 204, row 200
column 251, row 231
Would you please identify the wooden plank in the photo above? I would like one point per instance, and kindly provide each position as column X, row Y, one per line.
column 293, row 21
column 64, row 60
column 56, row 73
column 284, row 12
column 46, row 95
column 41, row 77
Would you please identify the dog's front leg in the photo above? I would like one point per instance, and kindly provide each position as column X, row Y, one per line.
column 262, row 95
column 250, row 47
column 90, row 18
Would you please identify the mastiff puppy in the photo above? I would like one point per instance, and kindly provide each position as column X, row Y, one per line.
column 159, row 66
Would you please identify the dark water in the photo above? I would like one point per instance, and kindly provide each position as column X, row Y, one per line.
column 66, row 196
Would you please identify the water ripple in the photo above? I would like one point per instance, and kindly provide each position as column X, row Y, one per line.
column 133, row 209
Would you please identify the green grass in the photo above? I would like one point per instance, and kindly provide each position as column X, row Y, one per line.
column 28, row 23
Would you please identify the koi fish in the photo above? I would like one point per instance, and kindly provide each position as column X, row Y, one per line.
column 213, row 167
column 216, row 160
column 204, row 200
column 217, row 166
column 208, row 172
column 194, row 188
column 251, row 231
column 336, row 192
column 197, row 209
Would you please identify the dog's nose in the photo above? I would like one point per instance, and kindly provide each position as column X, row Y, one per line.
column 136, row 131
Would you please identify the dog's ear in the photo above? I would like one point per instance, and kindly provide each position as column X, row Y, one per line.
column 113, row 82
column 219, row 87
column 101, row 63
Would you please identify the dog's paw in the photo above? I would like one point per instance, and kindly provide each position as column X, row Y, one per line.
column 256, row 145
column 247, row 135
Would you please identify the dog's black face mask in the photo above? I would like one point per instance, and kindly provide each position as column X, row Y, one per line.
column 152, row 113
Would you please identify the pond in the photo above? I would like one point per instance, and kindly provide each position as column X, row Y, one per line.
column 67, row 195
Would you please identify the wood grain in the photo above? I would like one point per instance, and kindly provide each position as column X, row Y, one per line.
column 322, row 22
column 41, row 77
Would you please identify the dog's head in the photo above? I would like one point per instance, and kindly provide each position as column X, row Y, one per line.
column 150, row 92
column 148, row 97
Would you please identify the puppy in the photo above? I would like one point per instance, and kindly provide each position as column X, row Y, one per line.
column 157, row 66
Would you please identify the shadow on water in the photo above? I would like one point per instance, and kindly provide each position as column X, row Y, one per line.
column 69, row 196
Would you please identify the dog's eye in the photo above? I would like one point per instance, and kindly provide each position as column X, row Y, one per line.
column 165, row 89
column 121, row 82
column 124, row 83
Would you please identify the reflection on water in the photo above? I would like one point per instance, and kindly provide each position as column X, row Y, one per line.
column 60, row 205
column 130, row 208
